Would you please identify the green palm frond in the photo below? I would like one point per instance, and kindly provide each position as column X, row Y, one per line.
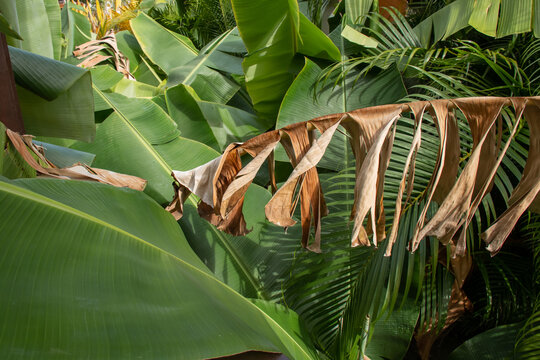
column 528, row 342
column 200, row 20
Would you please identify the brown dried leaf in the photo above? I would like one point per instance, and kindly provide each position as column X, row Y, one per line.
column 525, row 194
column 372, row 126
column 482, row 114
column 77, row 172
column 371, row 136
column 89, row 52
column 408, row 171
column 280, row 208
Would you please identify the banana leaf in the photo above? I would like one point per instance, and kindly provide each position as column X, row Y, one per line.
column 75, row 27
column 38, row 22
column 139, row 138
column 8, row 8
column 183, row 63
column 495, row 18
column 272, row 41
column 238, row 261
column 140, row 67
column 83, row 276
column 494, row 344
column 183, row 107
column 55, row 97
column 6, row 28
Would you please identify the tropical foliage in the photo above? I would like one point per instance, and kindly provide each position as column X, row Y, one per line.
column 97, row 270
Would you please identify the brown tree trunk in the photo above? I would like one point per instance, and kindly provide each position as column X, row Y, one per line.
column 10, row 112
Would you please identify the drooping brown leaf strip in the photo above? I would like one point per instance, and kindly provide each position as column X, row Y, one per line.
column 35, row 157
column 93, row 53
column 222, row 183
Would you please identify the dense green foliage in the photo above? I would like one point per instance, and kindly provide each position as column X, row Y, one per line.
column 93, row 271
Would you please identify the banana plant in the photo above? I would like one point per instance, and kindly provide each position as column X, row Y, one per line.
column 88, row 277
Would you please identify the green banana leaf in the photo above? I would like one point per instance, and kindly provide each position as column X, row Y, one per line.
column 230, row 124
column 55, row 97
column 133, row 88
column 495, row 18
column 313, row 42
column 220, row 54
column 494, row 344
column 183, row 107
column 6, row 28
column 286, row 318
column 214, row 124
column 36, row 21
column 104, row 77
column 8, row 8
column 310, row 97
column 75, row 27
column 272, row 41
column 139, row 138
column 93, row 271
column 182, row 62
column 392, row 335
column 235, row 260
column 356, row 9
column 138, row 64
column 55, row 25
column 154, row 39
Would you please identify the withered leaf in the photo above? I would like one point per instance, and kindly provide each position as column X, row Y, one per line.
column 222, row 183
column 24, row 145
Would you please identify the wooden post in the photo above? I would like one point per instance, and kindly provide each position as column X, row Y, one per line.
column 10, row 112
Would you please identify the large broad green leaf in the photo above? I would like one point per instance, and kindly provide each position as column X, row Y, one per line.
column 139, row 66
column 286, row 318
column 133, row 88
column 154, row 39
column 56, row 98
column 183, row 107
column 222, row 53
column 307, row 99
column 491, row 17
column 214, row 124
column 515, row 17
column 75, row 27
column 183, row 63
column 313, row 42
column 93, row 271
column 445, row 22
column 356, row 9
column 391, row 335
column 494, row 344
column 485, row 16
column 55, row 25
column 272, row 41
column 139, row 138
column 8, row 8
column 7, row 29
column 230, row 124
column 34, row 27
column 239, row 261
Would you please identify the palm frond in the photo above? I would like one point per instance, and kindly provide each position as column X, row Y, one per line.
column 528, row 342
